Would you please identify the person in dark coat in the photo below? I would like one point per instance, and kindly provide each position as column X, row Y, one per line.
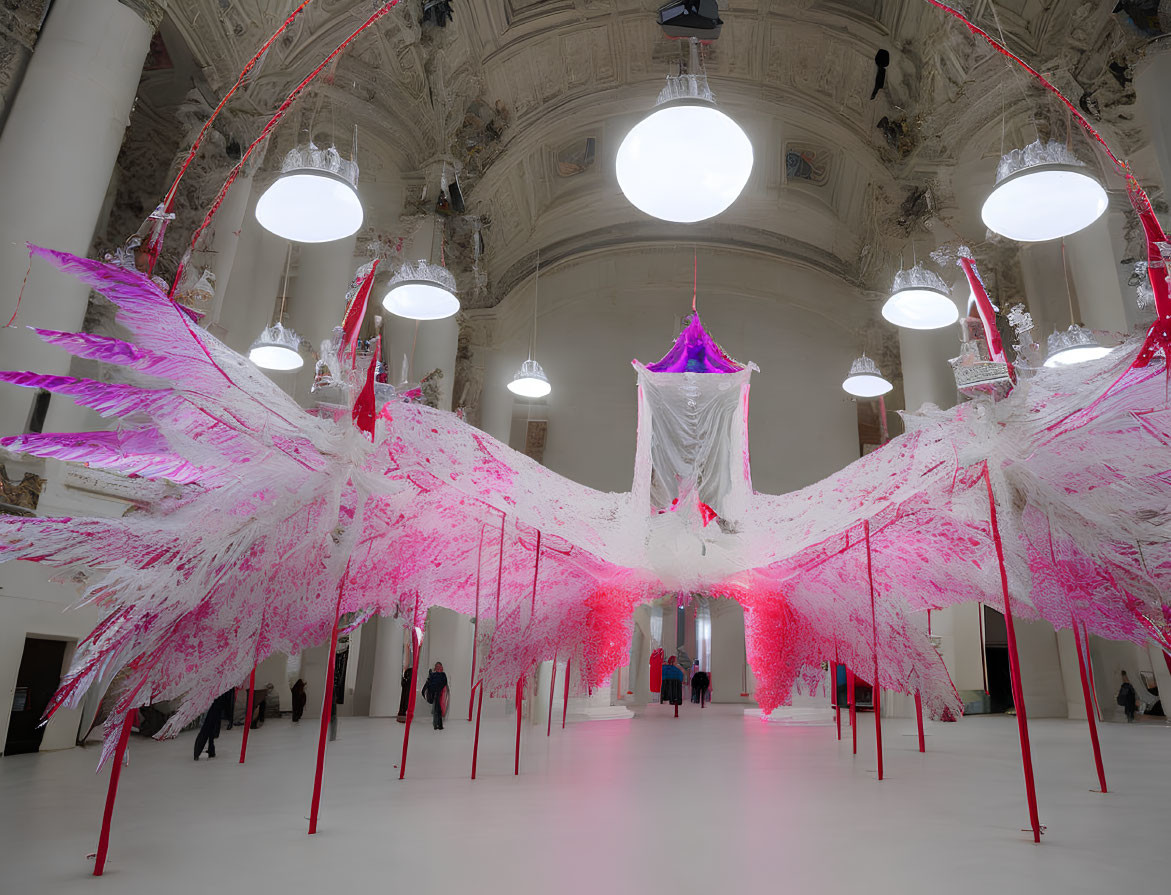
column 1128, row 698
column 210, row 728
column 299, row 699
column 435, row 692
column 699, row 685
column 405, row 697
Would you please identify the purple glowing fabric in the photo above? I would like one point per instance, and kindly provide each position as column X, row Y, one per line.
column 694, row 351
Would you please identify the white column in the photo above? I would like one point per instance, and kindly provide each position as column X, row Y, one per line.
column 317, row 297
column 57, row 152
column 1093, row 269
column 1152, row 76
column 250, row 298
column 924, row 353
column 230, row 222
column 386, row 686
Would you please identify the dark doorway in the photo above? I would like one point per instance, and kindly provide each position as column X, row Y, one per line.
column 36, row 681
column 999, row 681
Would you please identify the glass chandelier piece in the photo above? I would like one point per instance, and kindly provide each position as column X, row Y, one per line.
column 422, row 291
column 865, row 379
column 530, row 381
column 920, row 300
column 277, row 349
column 687, row 161
column 1074, row 346
column 315, row 199
column 1042, row 192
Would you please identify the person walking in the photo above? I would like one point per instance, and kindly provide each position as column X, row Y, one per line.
column 299, row 699
column 1128, row 698
column 699, row 687
column 405, row 696
column 435, row 692
column 210, row 729
column 673, row 684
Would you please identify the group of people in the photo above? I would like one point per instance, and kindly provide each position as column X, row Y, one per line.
column 435, row 691
column 224, row 707
column 674, row 677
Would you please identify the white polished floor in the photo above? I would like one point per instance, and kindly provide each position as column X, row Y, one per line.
column 716, row 802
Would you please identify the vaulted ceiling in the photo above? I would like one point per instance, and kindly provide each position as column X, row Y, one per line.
column 529, row 99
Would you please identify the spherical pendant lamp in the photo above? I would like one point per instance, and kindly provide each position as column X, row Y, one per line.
column 315, row 199
column 1074, row 346
column 865, row 379
column 530, row 381
column 920, row 300
column 687, row 161
column 277, row 348
column 1042, row 192
column 422, row 291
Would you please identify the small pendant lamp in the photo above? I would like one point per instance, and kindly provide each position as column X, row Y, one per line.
column 278, row 347
column 1077, row 344
column 865, row 379
column 530, row 380
column 920, row 299
column 1042, row 192
column 315, row 199
column 422, row 291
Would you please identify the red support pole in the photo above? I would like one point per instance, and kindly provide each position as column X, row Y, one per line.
column 919, row 720
column 415, row 642
column 1014, row 669
column 834, row 698
column 1090, row 670
column 476, row 625
column 853, row 707
column 1081, row 661
column 876, row 688
column 112, row 793
column 676, row 711
column 326, row 711
column 519, row 696
column 565, row 701
column 476, row 739
column 248, row 714
column 552, row 687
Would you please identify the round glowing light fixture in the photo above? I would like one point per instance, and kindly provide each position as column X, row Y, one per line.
column 687, row 161
column 865, row 379
column 277, row 349
column 530, row 381
column 1042, row 192
column 1074, row 346
column 315, row 199
column 422, row 291
column 919, row 300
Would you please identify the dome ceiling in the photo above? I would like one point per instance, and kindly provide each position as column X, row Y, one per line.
column 530, row 99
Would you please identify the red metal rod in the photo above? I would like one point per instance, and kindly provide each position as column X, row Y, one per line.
column 1090, row 670
column 248, row 715
column 552, row 688
column 1014, row 669
column 519, row 696
column 476, row 624
column 837, row 708
column 326, row 711
column 983, row 649
column 1081, row 661
column 875, row 688
column 112, row 793
column 853, row 707
column 565, row 700
column 919, row 720
column 476, row 739
column 415, row 643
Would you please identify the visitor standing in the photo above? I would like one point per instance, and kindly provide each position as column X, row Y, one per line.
column 210, row 729
column 1128, row 698
column 405, row 696
column 699, row 686
column 299, row 699
column 435, row 692
column 673, row 684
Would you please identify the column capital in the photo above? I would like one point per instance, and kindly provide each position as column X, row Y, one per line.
column 150, row 11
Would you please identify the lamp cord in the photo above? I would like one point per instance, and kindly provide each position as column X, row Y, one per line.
column 1068, row 290
column 285, row 285
column 536, row 299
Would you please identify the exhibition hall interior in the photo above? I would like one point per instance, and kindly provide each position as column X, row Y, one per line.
column 718, row 445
